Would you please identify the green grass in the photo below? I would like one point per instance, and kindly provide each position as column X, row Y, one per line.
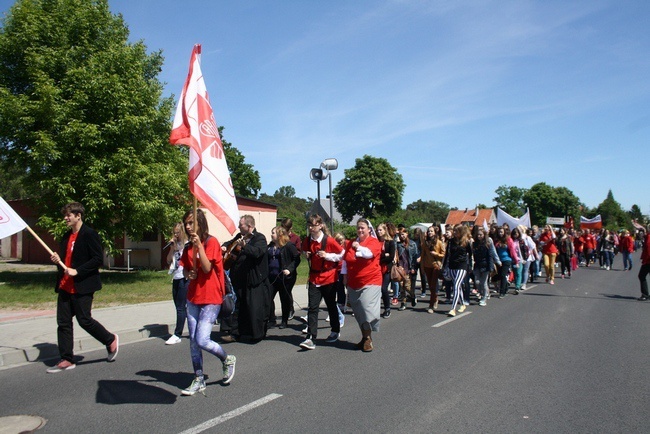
column 35, row 289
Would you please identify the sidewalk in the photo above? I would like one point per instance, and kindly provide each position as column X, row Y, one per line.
column 30, row 336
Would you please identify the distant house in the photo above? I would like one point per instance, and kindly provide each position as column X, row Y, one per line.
column 471, row 217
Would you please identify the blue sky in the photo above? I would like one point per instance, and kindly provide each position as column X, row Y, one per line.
column 461, row 97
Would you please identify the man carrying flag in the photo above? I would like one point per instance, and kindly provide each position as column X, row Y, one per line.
column 82, row 254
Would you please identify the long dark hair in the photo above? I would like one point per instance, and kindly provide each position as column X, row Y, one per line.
column 201, row 223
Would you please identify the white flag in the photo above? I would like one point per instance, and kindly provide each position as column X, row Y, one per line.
column 10, row 222
column 195, row 127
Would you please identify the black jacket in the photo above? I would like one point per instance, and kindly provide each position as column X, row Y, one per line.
column 251, row 268
column 87, row 257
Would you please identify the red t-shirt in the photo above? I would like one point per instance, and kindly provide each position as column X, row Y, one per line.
column 206, row 288
column 361, row 271
column 549, row 246
column 67, row 282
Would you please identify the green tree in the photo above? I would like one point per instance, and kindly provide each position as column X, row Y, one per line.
column 426, row 212
column 81, row 114
column 612, row 213
column 370, row 188
column 544, row 201
column 12, row 181
column 289, row 206
column 635, row 214
column 245, row 179
column 511, row 199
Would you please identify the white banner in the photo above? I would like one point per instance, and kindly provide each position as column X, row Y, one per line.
column 10, row 222
column 504, row 217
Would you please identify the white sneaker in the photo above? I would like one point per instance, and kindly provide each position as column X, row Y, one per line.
column 305, row 330
column 229, row 369
column 328, row 318
column 173, row 339
column 308, row 344
column 523, row 287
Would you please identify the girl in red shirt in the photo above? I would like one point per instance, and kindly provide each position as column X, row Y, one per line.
column 549, row 249
column 203, row 265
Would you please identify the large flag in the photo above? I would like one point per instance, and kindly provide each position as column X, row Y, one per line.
column 513, row 222
column 195, row 126
column 10, row 222
column 594, row 223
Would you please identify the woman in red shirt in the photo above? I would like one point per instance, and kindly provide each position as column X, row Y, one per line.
column 549, row 249
column 364, row 281
column 203, row 265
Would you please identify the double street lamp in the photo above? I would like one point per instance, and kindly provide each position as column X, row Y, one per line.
column 321, row 173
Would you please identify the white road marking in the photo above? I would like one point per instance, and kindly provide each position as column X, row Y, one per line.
column 236, row 412
column 454, row 318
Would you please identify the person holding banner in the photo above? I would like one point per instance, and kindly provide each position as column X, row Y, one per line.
column 76, row 284
column 202, row 264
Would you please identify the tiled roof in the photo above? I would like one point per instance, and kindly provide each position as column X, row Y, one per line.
column 456, row 217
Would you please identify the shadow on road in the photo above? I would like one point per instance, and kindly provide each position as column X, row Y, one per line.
column 116, row 392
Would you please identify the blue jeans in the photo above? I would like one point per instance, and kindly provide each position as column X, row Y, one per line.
column 627, row 260
column 518, row 275
column 608, row 258
column 525, row 268
column 200, row 319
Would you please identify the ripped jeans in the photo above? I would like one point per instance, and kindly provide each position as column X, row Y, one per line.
column 200, row 319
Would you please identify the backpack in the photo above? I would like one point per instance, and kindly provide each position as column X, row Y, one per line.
column 525, row 251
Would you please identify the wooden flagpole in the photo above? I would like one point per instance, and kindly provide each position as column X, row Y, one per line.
column 31, row 231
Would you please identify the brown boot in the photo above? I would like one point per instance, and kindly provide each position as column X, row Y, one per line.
column 367, row 345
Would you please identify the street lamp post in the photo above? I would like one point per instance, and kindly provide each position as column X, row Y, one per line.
column 329, row 165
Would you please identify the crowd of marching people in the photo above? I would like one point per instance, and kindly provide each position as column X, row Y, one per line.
column 370, row 275
column 457, row 265
column 377, row 271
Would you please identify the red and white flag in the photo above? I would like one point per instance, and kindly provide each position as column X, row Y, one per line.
column 594, row 223
column 10, row 222
column 195, row 127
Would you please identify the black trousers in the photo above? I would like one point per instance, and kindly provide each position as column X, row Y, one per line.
column 68, row 306
column 316, row 294
column 643, row 274
column 283, row 285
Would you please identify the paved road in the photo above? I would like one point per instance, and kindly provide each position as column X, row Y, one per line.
column 566, row 358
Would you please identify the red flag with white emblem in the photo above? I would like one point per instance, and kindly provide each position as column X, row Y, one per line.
column 195, row 127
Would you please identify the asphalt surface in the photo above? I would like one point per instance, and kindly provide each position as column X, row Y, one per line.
column 565, row 358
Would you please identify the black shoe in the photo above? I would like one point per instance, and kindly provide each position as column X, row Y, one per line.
column 414, row 302
column 402, row 307
column 644, row 298
column 283, row 325
column 291, row 314
column 386, row 313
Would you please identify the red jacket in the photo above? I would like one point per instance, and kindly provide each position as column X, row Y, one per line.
column 321, row 271
column 548, row 241
column 626, row 244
